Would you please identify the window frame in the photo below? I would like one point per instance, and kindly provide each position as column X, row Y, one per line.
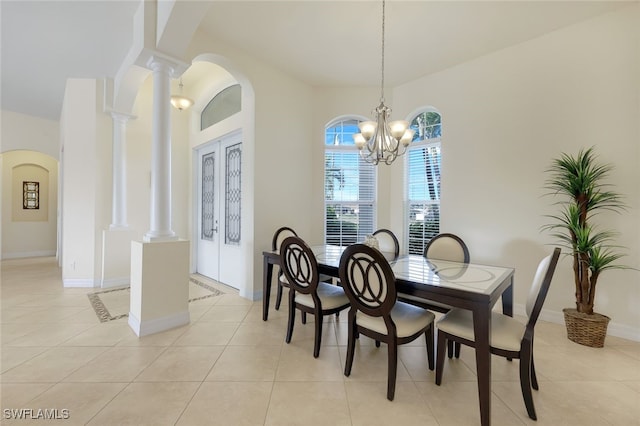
column 373, row 202
column 421, row 144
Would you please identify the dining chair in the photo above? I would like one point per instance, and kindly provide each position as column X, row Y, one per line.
column 509, row 337
column 445, row 246
column 306, row 292
column 278, row 238
column 369, row 283
column 387, row 241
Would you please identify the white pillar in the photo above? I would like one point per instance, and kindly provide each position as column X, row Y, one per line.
column 119, row 166
column 161, row 152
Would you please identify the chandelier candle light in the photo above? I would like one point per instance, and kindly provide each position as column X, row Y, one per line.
column 379, row 140
column 180, row 101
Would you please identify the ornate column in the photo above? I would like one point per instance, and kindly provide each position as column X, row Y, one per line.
column 119, row 166
column 161, row 152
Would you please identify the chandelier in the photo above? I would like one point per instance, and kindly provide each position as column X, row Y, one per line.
column 180, row 101
column 380, row 140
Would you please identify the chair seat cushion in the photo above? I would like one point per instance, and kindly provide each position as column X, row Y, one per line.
column 408, row 319
column 421, row 300
column 331, row 296
column 506, row 332
column 283, row 280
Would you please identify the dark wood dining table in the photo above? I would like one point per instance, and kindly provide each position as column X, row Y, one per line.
column 463, row 285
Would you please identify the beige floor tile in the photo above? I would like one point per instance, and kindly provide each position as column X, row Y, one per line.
column 308, row 404
column 208, row 334
column 269, row 333
column 12, row 356
column 228, row 366
column 370, row 364
column 181, row 364
column 415, row 360
column 52, row 365
column 369, row 406
column 141, row 404
column 82, row 401
column 245, row 404
column 226, row 313
column 590, row 403
column 298, row 364
column 9, row 332
column 103, row 334
column 119, row 364
column 246, row 363
column 18, row 395
column 50, row 334
column 456, row 404
column 164, row 338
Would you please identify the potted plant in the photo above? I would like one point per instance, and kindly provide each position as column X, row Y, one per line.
column 580, row 181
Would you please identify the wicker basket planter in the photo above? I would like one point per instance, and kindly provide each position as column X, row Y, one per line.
column 588, row 330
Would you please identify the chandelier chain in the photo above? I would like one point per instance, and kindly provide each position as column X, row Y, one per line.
column 382, row 64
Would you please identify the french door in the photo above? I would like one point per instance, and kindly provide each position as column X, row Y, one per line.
column 219, row 209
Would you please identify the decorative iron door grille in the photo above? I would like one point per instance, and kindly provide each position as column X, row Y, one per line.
column 233, row 167
column 208, row 195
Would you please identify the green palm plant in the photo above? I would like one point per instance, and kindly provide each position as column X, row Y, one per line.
column 580, row 179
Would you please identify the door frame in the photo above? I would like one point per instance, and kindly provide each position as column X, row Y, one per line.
column 195, row 236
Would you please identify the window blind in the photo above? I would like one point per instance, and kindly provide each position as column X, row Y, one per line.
column 423, row 194
column 349, row 196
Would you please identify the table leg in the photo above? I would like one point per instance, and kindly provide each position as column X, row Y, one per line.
column 267, row 272
column 507, row 300
column 482, row 330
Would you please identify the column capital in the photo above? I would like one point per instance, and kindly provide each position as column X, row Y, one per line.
column 122, row 116
column 159, row 62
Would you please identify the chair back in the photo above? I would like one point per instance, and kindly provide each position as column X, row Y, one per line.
column 280, row 235
column 447, row 247
column 299, row 265
column 368, row 280
column 387, row 241
column 540, row 286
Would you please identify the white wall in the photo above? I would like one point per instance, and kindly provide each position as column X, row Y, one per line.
column 506, row 116
column 80, row 177
column 20, row 131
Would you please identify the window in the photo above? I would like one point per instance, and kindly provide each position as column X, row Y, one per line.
column 423, row 181
column 349, row 186
column 223, row 105
column 30, row 195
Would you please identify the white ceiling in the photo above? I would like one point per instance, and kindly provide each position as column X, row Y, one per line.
column 323, row 43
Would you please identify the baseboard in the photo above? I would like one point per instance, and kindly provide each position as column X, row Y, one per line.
column 116, row 282
column 614, row 329
column 78, row 282
column 156, row 325
column 253, row 296
column 25, row 254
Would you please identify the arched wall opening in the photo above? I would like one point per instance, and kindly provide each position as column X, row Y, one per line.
column 210, row 74
column 29, row 228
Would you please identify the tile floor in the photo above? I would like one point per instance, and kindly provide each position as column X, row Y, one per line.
column 228, row 367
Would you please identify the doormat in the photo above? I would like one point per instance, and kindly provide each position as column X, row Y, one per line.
column 113, row 304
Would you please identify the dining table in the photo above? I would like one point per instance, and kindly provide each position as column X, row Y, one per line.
column 471, row 286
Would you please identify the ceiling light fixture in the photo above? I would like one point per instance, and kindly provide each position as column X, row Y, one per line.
column 380, row 141
column 180, row 101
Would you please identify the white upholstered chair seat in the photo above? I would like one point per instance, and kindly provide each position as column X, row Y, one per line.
column 408, row 319
column 506, row 332
column 331, row 296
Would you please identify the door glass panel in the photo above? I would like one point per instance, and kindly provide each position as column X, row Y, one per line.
column 208, row 180
column 232, row 193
